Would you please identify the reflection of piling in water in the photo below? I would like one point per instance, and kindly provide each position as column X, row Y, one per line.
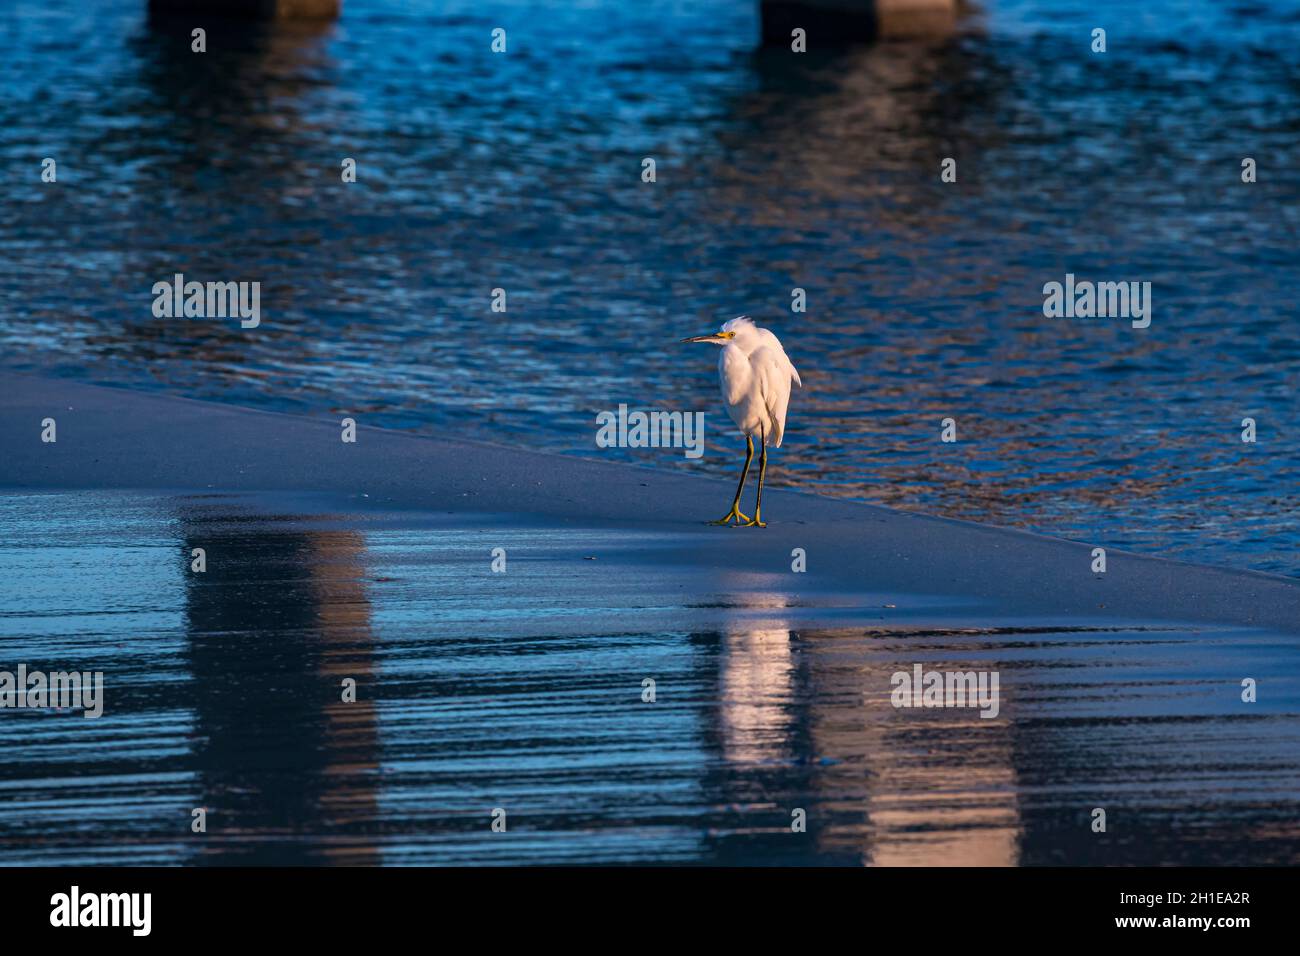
column 837, row 22
column 757, row 676
column 244, row 9
column 285, row 767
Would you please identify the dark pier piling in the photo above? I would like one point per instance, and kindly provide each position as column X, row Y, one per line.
column 839, row 22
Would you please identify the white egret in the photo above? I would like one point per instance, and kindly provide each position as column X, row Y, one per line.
column 755, row 375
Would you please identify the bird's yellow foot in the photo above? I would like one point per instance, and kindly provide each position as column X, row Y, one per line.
column 733, row 513
column 753, row 523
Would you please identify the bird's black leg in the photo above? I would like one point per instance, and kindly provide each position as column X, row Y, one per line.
column 757, row 521
column 735, row 505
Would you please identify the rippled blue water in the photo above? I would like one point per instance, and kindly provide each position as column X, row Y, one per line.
column 522, row 171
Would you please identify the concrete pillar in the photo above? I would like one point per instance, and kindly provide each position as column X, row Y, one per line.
column 829, row 23
column 915, row 18
column 250, row 9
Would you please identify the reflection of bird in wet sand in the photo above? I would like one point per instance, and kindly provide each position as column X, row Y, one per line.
column 755, row 374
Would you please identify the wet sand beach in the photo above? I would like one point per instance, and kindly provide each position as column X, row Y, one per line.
column 524, row 689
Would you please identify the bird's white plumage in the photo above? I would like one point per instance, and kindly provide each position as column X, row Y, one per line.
column 755, row 374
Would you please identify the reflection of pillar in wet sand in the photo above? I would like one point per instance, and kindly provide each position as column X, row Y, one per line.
column 884, row 786
column 943, row 785
column 757, row 689
column 351, row 729
column 285, row 768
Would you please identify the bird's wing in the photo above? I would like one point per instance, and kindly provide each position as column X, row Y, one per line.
column 772, row 342
column 773, row 373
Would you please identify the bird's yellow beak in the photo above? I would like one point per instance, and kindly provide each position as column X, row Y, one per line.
column 711, row 337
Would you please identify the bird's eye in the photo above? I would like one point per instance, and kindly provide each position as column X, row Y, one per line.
column 731, row 335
